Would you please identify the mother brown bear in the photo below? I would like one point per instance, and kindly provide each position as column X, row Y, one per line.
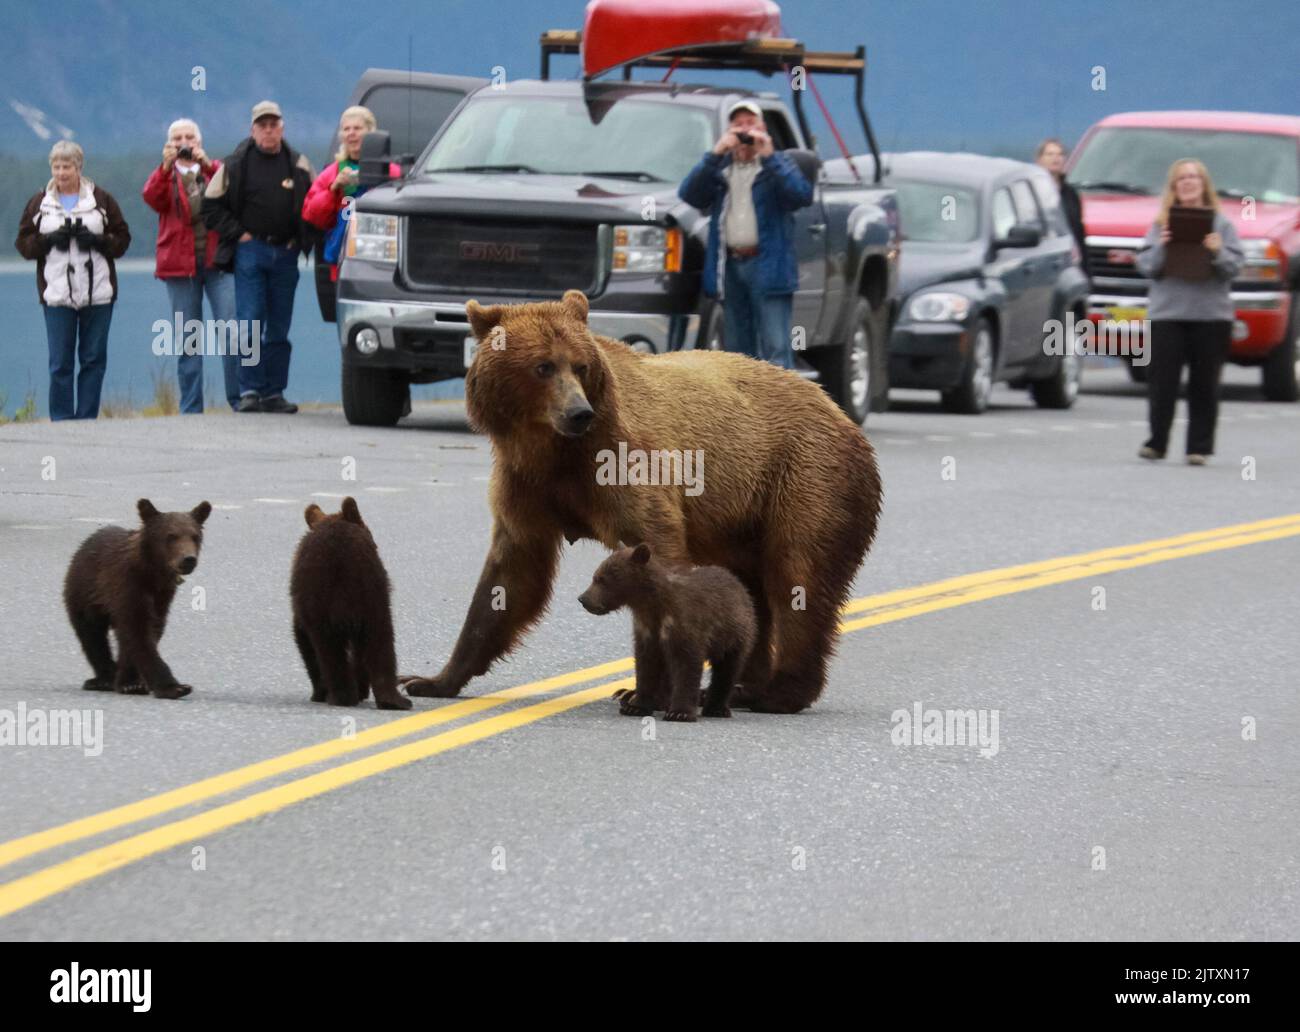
column 789, row 501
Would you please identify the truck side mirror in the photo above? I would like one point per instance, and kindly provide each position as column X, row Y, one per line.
column 808, row 163
column 376, row 148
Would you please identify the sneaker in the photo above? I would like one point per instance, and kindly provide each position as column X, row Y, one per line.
column 249, row 403
column 1147, row 452
column 1197, row 460
column 279, row 404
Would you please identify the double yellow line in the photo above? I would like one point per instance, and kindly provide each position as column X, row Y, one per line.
column 858, row 614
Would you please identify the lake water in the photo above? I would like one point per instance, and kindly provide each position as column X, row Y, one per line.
column 132, row 365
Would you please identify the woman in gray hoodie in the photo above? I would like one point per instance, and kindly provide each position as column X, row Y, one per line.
column 1191, row 319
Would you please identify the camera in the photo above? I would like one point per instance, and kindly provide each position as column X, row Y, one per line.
column 185, row 153
column 745, row 138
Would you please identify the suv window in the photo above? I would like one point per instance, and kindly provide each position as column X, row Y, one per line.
column 1026, row 206
column 1004, row 213
column 410, row 115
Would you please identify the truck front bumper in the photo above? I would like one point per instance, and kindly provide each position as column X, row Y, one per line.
column 429, row 338
column 1258, row 326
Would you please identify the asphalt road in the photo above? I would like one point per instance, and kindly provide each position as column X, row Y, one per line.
column 1119, row 729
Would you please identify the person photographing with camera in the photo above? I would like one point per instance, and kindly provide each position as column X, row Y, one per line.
column 185, row 255
column 750, row 191
column 1190, row 255
column 74, row 230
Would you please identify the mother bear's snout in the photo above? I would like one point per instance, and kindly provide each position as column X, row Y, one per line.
column 577, row 418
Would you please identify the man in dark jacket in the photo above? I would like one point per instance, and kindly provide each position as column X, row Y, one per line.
column 1051, row 156
column 750, row 190
column 254, row 203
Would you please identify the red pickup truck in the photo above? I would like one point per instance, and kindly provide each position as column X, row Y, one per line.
column 1120, row 167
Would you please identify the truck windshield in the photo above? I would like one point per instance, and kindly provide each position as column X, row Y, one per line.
column 634, row 140
column 1137, row 160
column 935, row 213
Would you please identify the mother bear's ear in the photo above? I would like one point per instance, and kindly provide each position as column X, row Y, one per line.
column 482, row 320
column 575, row 303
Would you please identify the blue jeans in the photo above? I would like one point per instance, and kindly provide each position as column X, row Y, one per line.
column 185, row 295
column 77, row 333
column 266, row 279
column 755, row 323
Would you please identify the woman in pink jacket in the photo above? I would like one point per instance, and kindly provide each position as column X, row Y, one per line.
column 336, row 186
column 184, row 262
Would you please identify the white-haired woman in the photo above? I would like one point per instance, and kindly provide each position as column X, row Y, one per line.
column 1191, row 318
column 74, row 230
column 337, row 184
column 184, row 257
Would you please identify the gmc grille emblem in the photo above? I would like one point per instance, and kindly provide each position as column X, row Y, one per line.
column 1119, row 256
column 490, row 251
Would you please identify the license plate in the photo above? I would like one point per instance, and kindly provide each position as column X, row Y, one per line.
column 471, row 349
column 1122, row 314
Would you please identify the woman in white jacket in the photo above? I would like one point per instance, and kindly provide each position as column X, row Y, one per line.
column 74, row 230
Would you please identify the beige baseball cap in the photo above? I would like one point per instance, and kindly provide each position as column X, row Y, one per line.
column 744, row 105
column 266, row 107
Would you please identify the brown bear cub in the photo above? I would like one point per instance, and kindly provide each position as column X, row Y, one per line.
column 681, row 616
column 342, row 619
column 125, row 580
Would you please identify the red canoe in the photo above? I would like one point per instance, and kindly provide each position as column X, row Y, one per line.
column 618, row 31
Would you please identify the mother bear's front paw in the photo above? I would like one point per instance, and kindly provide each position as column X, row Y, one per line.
column 428, row 687
column 630, row 705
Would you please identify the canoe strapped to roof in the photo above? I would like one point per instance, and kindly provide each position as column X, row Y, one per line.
column 735, row 35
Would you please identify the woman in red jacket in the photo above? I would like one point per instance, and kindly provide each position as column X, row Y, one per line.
column 185, row 252
column 337, row 186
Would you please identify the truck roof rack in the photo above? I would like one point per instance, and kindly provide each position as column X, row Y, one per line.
column 765, row 56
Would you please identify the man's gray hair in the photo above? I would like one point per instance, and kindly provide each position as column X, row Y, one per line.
column 181, row 123
column 66, row 150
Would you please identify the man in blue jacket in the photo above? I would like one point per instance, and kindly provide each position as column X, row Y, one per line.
column 750, row 190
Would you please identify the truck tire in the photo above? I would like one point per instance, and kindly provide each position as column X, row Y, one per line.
column 1136, row 373
column 851, row 370
column 1280, row 366
column 374, row 397
column 1059, row 390
column 971, row 396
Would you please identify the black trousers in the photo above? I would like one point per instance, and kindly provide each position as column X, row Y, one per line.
column 1203, row 348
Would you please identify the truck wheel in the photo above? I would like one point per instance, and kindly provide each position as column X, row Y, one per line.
column 1280, row 366
column 374, row 397
column 971, row 396
column 1059, row 390
column 849, row 371
column 1136, row 373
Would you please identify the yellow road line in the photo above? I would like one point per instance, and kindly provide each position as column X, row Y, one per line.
column 219, row 784
column 884, row 608
column 23, row 892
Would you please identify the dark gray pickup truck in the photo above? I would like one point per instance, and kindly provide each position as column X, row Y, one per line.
column 534, row 187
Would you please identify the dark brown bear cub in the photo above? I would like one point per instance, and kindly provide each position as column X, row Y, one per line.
column 342, row 620
column 124, row 580
column 681, row 616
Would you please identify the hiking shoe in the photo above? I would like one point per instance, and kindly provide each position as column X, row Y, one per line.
column 279, row 404
column 1197, row 460
column 249, row 403
column 1147, row 452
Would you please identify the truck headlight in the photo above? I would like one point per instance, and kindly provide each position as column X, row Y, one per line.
column 1263, row 261
column 647, row 249
column 373, row 237
column 939, row 306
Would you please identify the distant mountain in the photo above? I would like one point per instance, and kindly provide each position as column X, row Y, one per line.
column 113, row 73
